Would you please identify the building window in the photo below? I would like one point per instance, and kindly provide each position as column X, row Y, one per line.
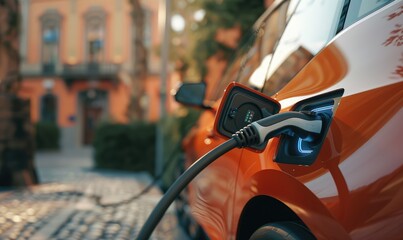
column 50, row 22
column 49, row 108
column 95, row 35
column 147, row 28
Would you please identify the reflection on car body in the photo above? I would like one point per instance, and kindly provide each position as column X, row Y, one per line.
column 301, row 50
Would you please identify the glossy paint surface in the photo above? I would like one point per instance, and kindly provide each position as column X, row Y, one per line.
column 354, row 190
column 211, row 193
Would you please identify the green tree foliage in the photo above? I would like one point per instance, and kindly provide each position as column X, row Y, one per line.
column 9, row 54
column 223, row 14
column 139, row 53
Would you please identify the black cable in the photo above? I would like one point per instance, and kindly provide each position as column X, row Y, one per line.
column 180, row 184
column 255, row 133
column 243, row 138
column 146, row 189
column 98, row 198
column 129, row 200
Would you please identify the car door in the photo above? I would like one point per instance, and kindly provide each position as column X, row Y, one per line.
column 357, row 175
column 211, row 193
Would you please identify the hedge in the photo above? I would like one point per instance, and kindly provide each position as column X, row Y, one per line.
column 132, row 147
column 125, row 147
column 47, row 136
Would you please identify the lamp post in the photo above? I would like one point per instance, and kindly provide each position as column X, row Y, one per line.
column 164, row 23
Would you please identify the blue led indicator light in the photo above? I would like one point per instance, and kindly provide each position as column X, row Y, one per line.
column 316, row 110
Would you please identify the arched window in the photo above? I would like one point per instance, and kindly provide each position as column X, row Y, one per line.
column 50, row 36
column 95, row 35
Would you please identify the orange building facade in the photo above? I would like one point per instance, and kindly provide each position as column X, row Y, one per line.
column 77, row 63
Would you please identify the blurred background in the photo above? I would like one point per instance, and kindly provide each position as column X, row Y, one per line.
column 86, row 108
column 99, row 73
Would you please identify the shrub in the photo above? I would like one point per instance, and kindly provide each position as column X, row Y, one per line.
column 132, row 147
column 47, row 136
column 125, row 147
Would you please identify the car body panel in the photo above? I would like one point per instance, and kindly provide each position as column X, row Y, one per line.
column 211, row 193
column 354, row 189
column 366, row 128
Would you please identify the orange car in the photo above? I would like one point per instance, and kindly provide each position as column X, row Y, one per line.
column 341, row 57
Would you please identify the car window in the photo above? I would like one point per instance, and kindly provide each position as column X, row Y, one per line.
column 361, row 8
column 312, row 26
column 255, row 48
column 259, row 54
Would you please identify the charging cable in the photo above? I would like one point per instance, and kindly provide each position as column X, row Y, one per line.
column 306, row 125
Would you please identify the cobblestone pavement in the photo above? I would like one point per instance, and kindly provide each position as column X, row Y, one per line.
column 66, row 205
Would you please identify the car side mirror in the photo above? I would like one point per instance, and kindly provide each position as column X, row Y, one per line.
column 192, row 94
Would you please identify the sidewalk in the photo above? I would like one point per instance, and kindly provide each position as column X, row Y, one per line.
column 65, row 205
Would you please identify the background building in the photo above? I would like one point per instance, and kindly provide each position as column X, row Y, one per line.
column 77, row 63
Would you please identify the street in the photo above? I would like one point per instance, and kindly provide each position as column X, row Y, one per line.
column 75, row 201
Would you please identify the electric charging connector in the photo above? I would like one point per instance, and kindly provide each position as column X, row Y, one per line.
column 306, row 125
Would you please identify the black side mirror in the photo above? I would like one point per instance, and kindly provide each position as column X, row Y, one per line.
column 192, row 94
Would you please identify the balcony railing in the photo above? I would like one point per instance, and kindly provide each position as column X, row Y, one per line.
column 90, row 70
column 40, row 70
column 101, row 71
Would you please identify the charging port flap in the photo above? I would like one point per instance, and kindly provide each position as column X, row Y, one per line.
column 241, row 106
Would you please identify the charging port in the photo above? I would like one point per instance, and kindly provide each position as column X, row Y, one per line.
column 242, row 106
column 293, row 149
